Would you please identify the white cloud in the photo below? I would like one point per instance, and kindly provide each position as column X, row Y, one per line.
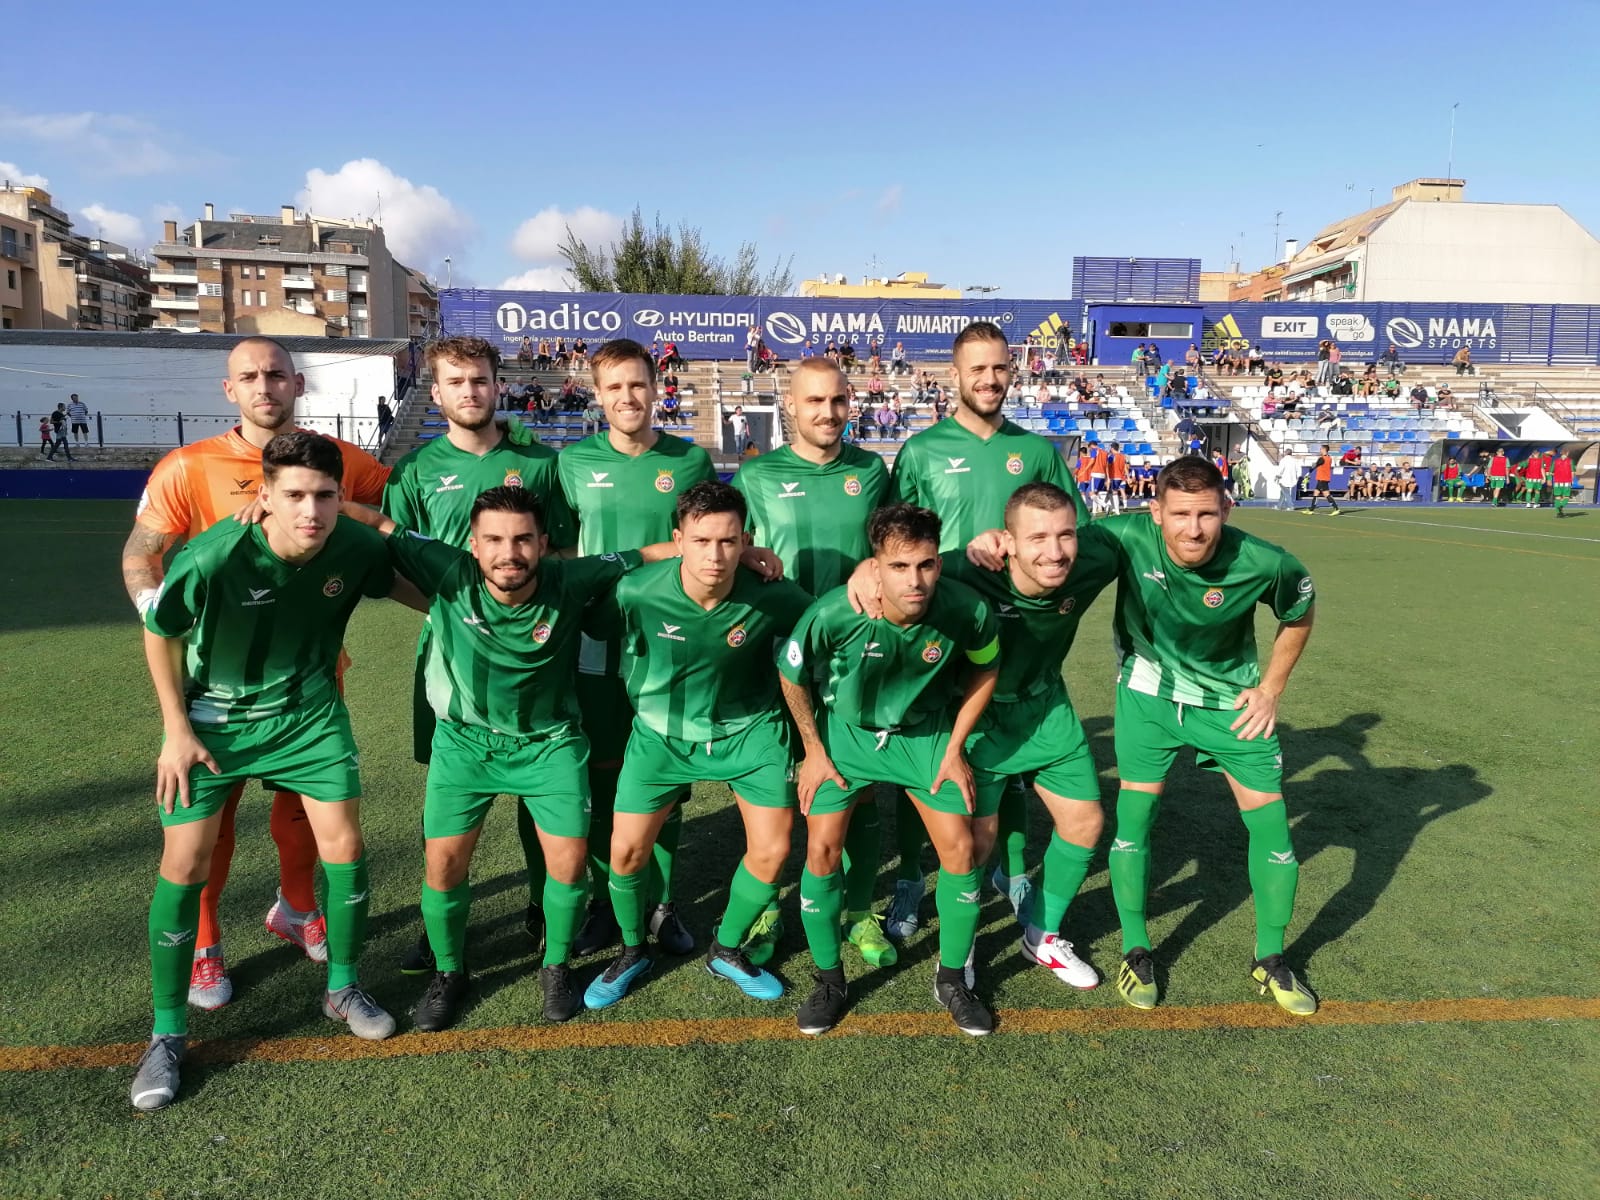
column 539, row 238
column 540, row 279
column 111, row 143
column 113, row 225
column 889, row 202
column 421, row 225
column 10, row 172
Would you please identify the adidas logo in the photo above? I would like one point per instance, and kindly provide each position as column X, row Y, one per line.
column 176, row 937
column 1126, row 847
column 1285, row 859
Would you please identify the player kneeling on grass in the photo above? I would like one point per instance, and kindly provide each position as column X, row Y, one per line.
column 1040, row 574
column 899, row 696
column 500, row 669
column 1187, row 589
column 697, row 635
column 243, row 645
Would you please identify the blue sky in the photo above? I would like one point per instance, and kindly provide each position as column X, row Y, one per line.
column 984, row 145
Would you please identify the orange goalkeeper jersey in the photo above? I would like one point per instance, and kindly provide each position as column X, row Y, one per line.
column 195, row 486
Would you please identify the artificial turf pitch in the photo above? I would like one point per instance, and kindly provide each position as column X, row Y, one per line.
column 1439, row 739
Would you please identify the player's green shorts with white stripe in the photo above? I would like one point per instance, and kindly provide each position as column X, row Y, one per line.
column 907, row 757
column 310, row 751
column 1150, row 732
column 755, row 762
column 1040, row 736
column 472, row 765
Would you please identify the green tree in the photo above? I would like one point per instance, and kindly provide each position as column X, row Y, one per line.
column 675, row 263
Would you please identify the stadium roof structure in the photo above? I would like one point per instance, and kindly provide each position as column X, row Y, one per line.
column 354, row 347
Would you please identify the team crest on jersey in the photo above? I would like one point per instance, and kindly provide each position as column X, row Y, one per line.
column 932, row 652
column 541, row 631
column 1067, row 605
column 333, row 585
column 513, row 478
column 664, row 481
column 1213, row 598
column 736, row 636
column 1305, row 585
column 1014, row 464
column 852, row 485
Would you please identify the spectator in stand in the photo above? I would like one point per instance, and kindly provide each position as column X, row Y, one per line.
column 1390, row 388
column 670, row 358
column 1257, row 360
column 1368, row 384
column 831, row 353
column 1152, row 359
column 1324, row 362
column 504, row 402
column 385, row 417
column 78, row 414
column 1177, row 383
column 593, row 414
column 544, row 404
column 1390, row 361
column 1419, row 398
column 739, row 426
column 1138, row 361
column 535, row 392
column 569, row 394
column 1080, row 354
column 888, row 422
column 941, row 406
column 655, row 350
column 752, row 349
column 1081, row 391
column 1351, row 457
column 1328, row 420
column 58, row 433
column 525, row 352
column 561, row 355
column 1444, row 395
column 669, row 381
column 1290, row 402
column 875, row 357
column 1101, row 390
column 580, row 354
column 1219, row 360
column 1043, row 396
column 1274, row 377
column 1051, row 375
column 897, row 360
column 862, row 416
column 1344, row 385
column 670, row 406
column 1463, row 361
column 847, row 356
column 1191, row 362
column 543, row 361
column 1335, row 356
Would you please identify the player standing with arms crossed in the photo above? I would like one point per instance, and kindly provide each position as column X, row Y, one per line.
column 189, row 490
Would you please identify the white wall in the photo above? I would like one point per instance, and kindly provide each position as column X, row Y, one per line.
column 140, row 391
column 1491, row 253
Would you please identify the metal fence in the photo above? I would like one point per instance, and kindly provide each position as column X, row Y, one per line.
column 168, row 430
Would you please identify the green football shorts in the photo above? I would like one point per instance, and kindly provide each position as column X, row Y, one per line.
column 1561, row 490
column 1040, row 736
column 755, row 762
column 472, row 765
column 1150, row 731
column 309, row 751
column 607, row 717
column 908, row 757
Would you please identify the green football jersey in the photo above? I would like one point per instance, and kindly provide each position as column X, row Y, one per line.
column 1190, row 635
column 1037, row 631
column 967, row 479
column 814, row 517
column 505, row 667
column 433, row 487
column 694, row 674
column 263, row 635
column 879, row 675
column 624, row 502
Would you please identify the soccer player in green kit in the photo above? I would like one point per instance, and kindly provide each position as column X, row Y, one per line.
column 965, row 469
column 432, row 491
column 809, row 501
column 503, row 653
column 1040, row 574
column 696, row 637
column 624, row 484
column 243, row 645
column 898, row 695
column 1188, row 586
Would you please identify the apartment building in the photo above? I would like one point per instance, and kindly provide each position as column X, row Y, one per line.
column 291, row 274
column 54, row 278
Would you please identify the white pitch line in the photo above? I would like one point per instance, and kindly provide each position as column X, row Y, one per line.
column 1559, row 537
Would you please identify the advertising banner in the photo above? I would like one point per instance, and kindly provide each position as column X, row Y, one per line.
column 715, row 326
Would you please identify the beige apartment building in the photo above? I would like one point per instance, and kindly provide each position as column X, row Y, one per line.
column 54, row 278
column 291, row 274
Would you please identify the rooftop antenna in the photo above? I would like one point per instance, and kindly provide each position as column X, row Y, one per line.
column 1449, row 171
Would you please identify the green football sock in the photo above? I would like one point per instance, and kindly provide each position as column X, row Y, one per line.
column 747, row 898
column 346, row 913
column 1274, row 874
column 602, row 807
column 956, row 901
column 1129, row 863
column 563, row 913
column 444, row 916
column 532, row 851
column 1066, row 866
column 908, row 836
column 665, row 853
column 1011, row 841
column 821, row 900
column 174, row 920
column 627, row 897
column 863, row 848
